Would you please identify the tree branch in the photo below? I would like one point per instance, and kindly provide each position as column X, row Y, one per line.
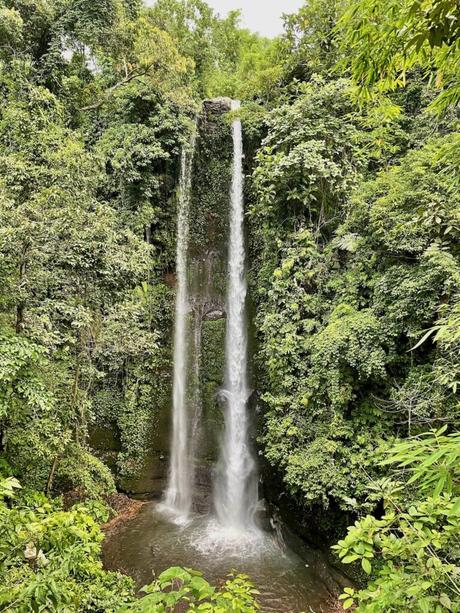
column 109, row 92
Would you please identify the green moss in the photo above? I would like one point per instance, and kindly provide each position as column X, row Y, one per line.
column 211, row 185
column 212, row 371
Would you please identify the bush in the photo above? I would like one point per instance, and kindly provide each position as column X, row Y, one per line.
column 412, row 552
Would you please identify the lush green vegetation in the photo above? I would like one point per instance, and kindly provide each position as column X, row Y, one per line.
column 412, row 549
column 50, row 561
column 353, row 153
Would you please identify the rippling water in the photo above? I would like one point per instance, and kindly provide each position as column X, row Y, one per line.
column 150, row 543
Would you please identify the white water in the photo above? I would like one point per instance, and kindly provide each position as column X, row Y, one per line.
column 235, row 487
column 179, row 492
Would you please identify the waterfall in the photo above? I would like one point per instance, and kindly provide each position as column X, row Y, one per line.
column 235, row 484
column 235, row 489
column 181, row 472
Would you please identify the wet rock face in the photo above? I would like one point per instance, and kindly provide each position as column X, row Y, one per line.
column 217, row 106
column 209, row 233
column 211, row 179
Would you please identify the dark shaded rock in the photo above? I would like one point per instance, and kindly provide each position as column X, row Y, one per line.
column 202, row 501
column 217, row 106
column 151, row 484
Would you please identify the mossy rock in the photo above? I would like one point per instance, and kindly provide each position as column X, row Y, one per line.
column 209, row 215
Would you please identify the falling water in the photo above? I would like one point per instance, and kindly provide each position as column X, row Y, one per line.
column 235, row 491
column 179, row 491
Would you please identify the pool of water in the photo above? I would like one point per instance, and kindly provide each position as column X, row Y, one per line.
column 288, row 582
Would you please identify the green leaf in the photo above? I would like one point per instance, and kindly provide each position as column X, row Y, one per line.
column 455, row 510
column 424, row 605
column 445, row 601
column 350, row 558
column 175, row 572
column 424, row 338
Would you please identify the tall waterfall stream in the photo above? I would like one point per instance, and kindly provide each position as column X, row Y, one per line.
column 179, row 493
column 172, row 532
column 235, row 489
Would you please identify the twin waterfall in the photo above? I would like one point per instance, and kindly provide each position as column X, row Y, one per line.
column 235, row 482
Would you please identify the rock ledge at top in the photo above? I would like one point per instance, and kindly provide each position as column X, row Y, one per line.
column 218, row 105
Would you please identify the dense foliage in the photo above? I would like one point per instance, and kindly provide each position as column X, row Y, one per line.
column 50, row 558
column 50, row 561
column 82, row 293
column 352, row 159
column 412, row 550
column 96, row 103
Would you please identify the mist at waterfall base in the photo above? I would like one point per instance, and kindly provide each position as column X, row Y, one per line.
column 288, row 582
